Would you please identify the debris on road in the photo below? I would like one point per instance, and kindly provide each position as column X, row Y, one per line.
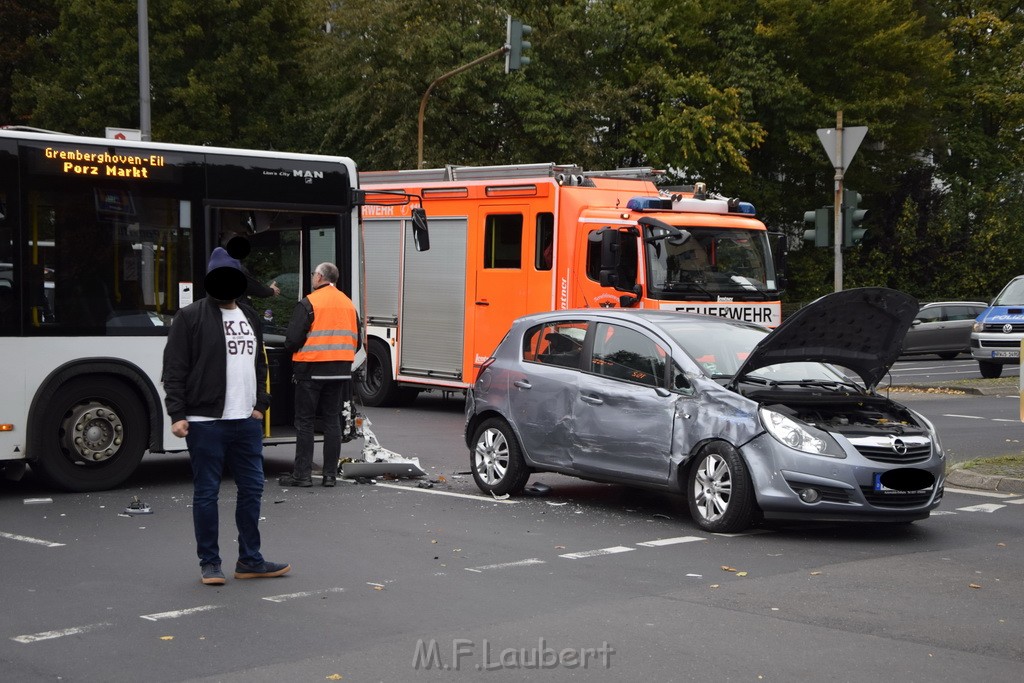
column 137, row 507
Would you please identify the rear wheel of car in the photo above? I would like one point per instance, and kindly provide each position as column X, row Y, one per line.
column 948, row 355
column 720, row 492
column 990, row 370
column 497, row 460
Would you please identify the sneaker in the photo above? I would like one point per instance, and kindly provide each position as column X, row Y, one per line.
column 264, row 570
column 289, row 480
column 329, row 480
column 212, row 575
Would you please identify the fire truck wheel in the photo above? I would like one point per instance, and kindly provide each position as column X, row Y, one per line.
column 91, row 437
column 720, row 492
column 497, row 461
column 377, row 386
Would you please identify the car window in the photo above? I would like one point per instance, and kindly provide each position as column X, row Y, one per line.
column 626, row 354
column 930, row 315
column 557, row 343
column 961, row 313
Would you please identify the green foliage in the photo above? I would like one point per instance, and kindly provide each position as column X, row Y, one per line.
column 730, row 92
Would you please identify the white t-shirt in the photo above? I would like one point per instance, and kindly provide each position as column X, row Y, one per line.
column 240, row 340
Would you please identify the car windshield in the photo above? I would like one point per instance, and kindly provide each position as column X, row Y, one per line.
column 708, row 261
column 720, row 349
column 1012, row 294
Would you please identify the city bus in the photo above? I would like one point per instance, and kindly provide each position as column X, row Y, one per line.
column 102, row 241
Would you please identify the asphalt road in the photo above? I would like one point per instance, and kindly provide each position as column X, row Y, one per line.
column 396, row 583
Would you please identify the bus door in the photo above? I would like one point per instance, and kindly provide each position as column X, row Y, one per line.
column 279, row 251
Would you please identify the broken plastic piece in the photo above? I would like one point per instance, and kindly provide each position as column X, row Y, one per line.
column 425, row 485
column 137, row 507
column 379, row 460
column 537, row 489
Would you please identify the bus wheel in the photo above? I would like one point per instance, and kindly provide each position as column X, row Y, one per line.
column 377, row 386
column 91, row 437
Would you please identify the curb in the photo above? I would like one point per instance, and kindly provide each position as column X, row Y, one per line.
column 977, row 391
column 988, row 482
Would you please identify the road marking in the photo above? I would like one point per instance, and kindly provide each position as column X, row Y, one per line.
column 597, row 553
column 50, row 635
column 987, row 494
column 1004, row 419
column 178, row 613
column 29, row 539
column 670, row 541
column 936, row 513
column 1018, row 501
column 506, row 565
column 984, row 507
column 412, row 489
column 303, row 594
column 751, row 532
column 967, row 417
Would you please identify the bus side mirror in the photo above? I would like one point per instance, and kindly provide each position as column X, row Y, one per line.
column 420, row 234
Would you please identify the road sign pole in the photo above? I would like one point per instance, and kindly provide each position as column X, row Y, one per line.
column 837, row 207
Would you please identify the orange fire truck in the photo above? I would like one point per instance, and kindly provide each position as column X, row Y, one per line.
column 512, row 240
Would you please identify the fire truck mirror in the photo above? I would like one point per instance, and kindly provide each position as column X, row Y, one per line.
column 420, row 234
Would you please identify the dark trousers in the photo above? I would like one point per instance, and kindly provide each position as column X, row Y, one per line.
column 238, row 444
column 328, row 395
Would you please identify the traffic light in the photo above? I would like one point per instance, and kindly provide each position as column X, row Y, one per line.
column 824, row 226
column 514, row 57
column 852, row 218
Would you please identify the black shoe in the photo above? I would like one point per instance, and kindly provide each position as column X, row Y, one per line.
column 289, row 480
column 265, row 570
column 212, row 575
column 329, row 480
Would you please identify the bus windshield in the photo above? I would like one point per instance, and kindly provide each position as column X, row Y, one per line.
column 702, row 263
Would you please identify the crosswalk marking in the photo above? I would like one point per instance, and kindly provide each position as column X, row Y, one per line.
column 174, row 614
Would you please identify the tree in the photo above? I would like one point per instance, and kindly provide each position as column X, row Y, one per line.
column 20, row 22
column 222, row 72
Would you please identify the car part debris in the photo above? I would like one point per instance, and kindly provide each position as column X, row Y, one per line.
column 379, row 461
column 137, row 507
column 537, row 489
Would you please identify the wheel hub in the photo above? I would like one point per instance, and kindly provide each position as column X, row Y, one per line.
column 93, row 432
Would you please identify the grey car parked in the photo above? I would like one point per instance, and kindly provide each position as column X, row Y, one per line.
column 746, row 423
column 943, row 328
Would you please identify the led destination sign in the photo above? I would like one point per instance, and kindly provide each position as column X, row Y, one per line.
column 104, row 164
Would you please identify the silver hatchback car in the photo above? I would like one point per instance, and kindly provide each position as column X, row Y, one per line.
column 746, row 423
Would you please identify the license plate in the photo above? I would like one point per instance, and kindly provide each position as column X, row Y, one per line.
column 885, row 490
column 1006, row 353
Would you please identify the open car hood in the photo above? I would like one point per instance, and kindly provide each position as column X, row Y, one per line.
column 860, row 329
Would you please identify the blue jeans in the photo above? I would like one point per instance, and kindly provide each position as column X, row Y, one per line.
column 238, row 445
column 309, row 393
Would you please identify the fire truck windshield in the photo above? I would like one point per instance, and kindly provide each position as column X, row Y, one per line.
column 708, row 262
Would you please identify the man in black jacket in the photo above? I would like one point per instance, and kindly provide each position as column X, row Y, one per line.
column 214, row 377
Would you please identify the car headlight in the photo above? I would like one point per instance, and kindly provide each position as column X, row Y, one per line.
column 978, row 327
column 933, row 434
column 799, row 436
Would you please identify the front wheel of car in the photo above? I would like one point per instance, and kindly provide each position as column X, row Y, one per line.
column 720, row 492
column 990, row 370
column 497, row 460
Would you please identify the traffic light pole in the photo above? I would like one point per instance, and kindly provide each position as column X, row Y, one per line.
column 837, row 207
column 423, row 103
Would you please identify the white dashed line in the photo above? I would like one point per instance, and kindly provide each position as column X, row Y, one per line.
column 597, row 553
column 1018, row 501
column 670, row 541
column 178, row 613
column 50, row 635
column 505, row 565
column 967, row 417
column 984, row 507
column 303, row 594
column 411, row 489
column 29, row 539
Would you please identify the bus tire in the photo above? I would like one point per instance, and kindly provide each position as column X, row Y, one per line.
column 377, row 386
column 92, row 435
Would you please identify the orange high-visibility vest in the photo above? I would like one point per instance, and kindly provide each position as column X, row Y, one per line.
column 332, row 336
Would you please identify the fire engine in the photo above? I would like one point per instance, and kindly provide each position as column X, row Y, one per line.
column 512, row 240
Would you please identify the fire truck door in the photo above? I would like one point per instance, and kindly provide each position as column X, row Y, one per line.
column 502, row 272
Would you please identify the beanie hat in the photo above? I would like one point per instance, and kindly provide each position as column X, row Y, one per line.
column 224, row 280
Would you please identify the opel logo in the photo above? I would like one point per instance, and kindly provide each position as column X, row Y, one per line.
column 898, row 446
column 1007, row 328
